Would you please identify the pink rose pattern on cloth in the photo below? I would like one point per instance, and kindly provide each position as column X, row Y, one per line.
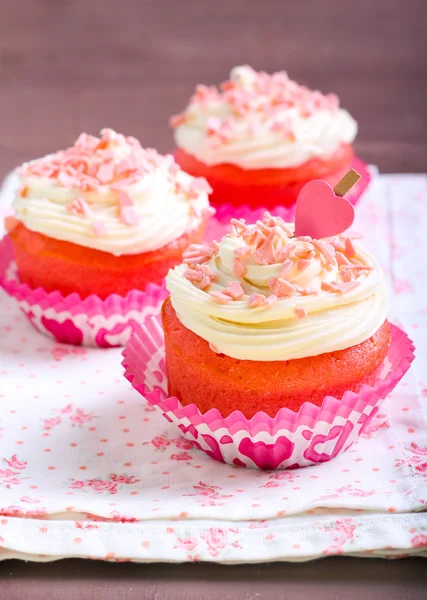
column 88, row 469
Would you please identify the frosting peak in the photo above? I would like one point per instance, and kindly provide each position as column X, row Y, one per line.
column 257, row 120
column 264, row 294
column 110, row 194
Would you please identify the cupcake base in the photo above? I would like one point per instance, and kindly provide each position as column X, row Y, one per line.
column 60, row 266
column 273, row 187
column 70, row 319
column 290, row 439
column 198, row 375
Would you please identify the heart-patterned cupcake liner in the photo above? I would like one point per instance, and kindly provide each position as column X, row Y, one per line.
column 314, row 434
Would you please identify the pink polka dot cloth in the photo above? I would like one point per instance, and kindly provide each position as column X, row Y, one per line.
column 88, row 469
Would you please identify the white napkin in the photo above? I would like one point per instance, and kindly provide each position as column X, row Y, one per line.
column 87, row 469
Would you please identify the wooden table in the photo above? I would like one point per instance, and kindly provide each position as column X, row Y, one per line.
column 328, row 579
column 80, row 65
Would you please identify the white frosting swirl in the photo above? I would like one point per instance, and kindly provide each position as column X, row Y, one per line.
column 161, row 206
column 334, row 321
column 258, row 140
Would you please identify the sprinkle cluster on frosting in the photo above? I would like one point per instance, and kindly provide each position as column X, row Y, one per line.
column 259, row 98
column 112, row 162
column 271, row 241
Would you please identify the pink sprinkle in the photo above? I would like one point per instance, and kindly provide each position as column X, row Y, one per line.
column 205, row 283
column 270, row 301
column 346, row 275
column 287, row 266
column 234, row 290
column 304, row 291
column 288, row 251
column 300, row 312
column 207, row 271
column 239, row 270
column 266, row 253
column 305, row 251
column 256, row 300
column 98, row 228
column 348, row 286
column 199, row 253
column 214, row 247
column 281, row 287
column 66, row 180
column 342, row 259
column 359, row 268
column 226, row 85
column 350, row 250
column 243, row 251
column 85, row 141
column 106, row 171
column 205, row 94
column 254, row 238
column 129, row 216
column 239, row 225
column 125, row 199
column 327, row 286
column 125, row 166
column 220, row 297
column 192, row 275
column 326, row 250
column 303, row 264
column 79, row 206
column 281, row 224
column 213, row 125
column 264, row 227
column 337, row 243
column 177, row 120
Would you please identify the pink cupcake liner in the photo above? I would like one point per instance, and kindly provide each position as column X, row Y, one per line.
column 71, row 320
column 224, row 212
column 314, row 434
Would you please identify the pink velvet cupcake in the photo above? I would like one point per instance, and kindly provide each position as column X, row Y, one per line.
column 275, row 350
column 261, row 137
column 104, row 216
column 96, row 229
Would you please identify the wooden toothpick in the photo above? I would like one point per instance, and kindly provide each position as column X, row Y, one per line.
column 346, row 183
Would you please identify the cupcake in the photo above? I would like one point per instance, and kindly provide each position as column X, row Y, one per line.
column 262, row 137
column 275, row 350
column 103, row 217
column 266, row 319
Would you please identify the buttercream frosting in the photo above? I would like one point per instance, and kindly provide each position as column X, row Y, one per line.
column 110, row 194
column 262, row 121
column 263, row 294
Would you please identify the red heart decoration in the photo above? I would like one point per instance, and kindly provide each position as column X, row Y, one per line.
column 320, row 213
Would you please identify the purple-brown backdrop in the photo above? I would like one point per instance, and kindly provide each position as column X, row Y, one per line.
column 81, row 65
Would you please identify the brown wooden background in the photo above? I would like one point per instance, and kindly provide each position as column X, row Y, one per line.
column 73, row 65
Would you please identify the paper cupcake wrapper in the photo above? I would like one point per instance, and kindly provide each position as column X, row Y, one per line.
column 314, row 434
column 71, row 320
column 225, row 211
